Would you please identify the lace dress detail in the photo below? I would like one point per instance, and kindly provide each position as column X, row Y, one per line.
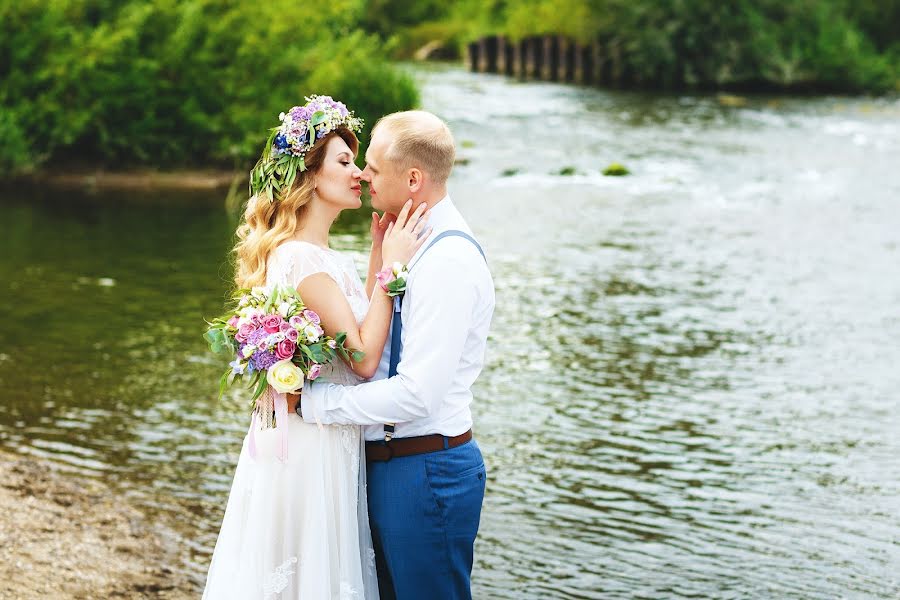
column 280, row 578
column 299, row 530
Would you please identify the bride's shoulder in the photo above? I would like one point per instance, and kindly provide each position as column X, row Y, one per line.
column 294, row 260
column 300, row 249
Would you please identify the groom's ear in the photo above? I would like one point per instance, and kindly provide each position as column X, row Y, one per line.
column 415, row 179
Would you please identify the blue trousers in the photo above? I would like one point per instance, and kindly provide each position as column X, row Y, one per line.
column 424, row 511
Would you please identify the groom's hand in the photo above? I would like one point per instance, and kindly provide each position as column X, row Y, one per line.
column 292, row 401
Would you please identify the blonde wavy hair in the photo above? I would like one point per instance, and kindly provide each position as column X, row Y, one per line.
column 265, row 224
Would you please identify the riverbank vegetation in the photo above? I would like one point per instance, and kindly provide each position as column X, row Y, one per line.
column 168, row 83
column 791, row 45
column 124, row 84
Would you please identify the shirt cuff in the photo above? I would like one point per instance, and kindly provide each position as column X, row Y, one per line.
column 310, row 401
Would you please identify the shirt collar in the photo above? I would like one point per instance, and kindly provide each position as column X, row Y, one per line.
column 442, row 213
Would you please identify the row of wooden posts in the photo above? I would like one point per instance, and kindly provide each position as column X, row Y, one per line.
column 550, row 57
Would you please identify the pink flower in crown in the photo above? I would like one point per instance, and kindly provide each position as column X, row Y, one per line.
column 233, row 321
column 272, row 323
column 296, row 321
column 292, row 334
column 244, row 332
column 314, row 371
column 285, row 349
column 311, row 316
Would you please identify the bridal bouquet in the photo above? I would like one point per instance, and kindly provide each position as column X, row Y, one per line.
column 274, row 340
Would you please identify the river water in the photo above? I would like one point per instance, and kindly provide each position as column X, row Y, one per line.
column 692, row 380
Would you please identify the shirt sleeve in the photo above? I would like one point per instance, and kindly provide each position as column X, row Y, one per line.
column 442, row 297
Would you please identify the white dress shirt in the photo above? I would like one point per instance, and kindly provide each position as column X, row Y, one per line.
column 446, row 313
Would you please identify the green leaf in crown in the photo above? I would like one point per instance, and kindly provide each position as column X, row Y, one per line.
column 301, row 127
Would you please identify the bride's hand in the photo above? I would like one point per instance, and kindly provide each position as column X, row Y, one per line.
column 404, row 237
column 378, row 227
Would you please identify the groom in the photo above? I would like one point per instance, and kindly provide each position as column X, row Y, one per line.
column 425, row 485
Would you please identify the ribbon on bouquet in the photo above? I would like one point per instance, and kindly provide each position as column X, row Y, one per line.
column 267, row 402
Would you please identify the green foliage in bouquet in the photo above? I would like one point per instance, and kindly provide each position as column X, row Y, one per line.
column 274, row 339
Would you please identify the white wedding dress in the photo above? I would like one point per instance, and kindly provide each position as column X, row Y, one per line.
column 299, row 530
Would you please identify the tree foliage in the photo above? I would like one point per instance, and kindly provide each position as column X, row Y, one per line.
column 842, row 45
column 168, row 82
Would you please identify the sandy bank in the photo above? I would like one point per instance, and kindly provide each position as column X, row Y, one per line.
column 63, row 538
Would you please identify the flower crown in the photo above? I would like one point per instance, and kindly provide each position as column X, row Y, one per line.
column 284, row 152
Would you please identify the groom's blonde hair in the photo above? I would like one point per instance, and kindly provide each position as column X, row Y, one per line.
column 421, row 140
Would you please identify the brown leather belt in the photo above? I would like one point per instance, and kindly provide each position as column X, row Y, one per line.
column 397, row 447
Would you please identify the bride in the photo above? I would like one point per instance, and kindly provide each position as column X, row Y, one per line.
column 298, row 529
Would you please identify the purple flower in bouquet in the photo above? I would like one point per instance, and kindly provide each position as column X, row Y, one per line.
column 244, row 332
column 314, row 371
column 296, row 321
column 311, row 316
column 263, row 359
column 292, row 334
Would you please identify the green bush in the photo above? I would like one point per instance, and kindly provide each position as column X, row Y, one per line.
column 842, row 45
column 166, row 83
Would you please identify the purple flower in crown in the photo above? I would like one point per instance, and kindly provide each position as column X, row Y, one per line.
column 301, row 127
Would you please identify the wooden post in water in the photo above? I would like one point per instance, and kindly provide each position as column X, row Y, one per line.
column 501, row 54
column 474, row 49
column 615, row 57
column 598, row 62
column 519, row 59
column 550, row 70
column 483, row 59
column 510, row 52
column 568, row 51
column 578, row 64
column 534, row 57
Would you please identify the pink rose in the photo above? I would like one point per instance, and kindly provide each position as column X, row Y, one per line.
column 314, row 371
column 244, row 332
column 292, row 334
column 233, row 321
column 311, row 316
column 296, row 321
column 284, row 327
column 272, row 323
column 285, row 349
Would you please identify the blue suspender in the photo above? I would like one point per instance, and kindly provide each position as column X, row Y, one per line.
column 397, row 322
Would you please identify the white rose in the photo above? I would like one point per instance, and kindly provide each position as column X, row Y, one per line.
column 285, row 377
column 284, row 309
